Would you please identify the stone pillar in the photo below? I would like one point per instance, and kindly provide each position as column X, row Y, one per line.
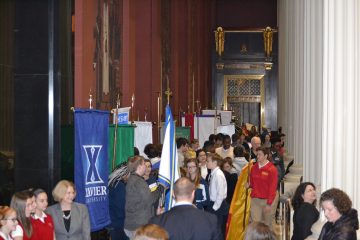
column 318, row 89
column 36, row 95
column 289, row 28
column 341, row 101
column 313, row 88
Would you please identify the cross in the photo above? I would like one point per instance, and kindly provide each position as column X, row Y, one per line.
column 168, row 93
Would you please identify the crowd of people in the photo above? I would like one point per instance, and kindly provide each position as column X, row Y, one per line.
column 203, row 195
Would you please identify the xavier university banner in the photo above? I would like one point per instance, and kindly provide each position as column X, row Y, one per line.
column 91, row 164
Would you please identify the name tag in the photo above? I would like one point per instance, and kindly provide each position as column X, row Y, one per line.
column 265, row 173
column 153, row 187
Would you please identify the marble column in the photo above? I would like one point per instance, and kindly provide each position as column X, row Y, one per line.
column 36, row 95
column 313, row 90
column 341, row 101
column 318, row 86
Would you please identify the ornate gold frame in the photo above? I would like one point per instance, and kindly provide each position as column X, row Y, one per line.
column 252, row 98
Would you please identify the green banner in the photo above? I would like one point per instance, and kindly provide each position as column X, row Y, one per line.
column 124, row 144
column 183, row 132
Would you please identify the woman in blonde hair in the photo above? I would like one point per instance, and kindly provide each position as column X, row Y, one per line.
column 202, row 189
column 71, row 219
column 24, row 204
column 8, row 222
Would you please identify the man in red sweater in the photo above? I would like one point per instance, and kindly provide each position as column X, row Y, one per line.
column 263, row 181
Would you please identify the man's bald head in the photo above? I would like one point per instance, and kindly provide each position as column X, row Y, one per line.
column 255, row 143
column 184, row 189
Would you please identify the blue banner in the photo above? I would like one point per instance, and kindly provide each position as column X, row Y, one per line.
column 169, row 171
column 91, row 164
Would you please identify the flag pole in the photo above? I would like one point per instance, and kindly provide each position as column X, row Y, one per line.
column 132, row 108
column 247, row 193
column 168, row 94
column 193, row 92
column 215, row 120
column 197, row 119
column 159, row 114
column 115, row 132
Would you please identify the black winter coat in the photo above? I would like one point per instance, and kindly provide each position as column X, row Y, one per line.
column 343, row 229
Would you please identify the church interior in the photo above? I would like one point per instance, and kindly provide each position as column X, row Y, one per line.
column 270, row 63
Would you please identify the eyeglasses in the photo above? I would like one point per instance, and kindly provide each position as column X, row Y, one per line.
column 14, row 220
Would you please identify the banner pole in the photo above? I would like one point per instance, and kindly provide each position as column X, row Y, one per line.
column 197, row 119
column 159, row 115
column 115, row 133
column 215, row 120
column 247, row 193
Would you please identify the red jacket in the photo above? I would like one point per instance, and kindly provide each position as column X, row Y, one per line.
column 263, row 182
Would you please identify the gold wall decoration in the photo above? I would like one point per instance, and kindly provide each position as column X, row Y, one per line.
column 219, row 40
column 268, row 65
column 245, row 89
column 219, row 66
column 244, row 66
column 243, row 48
column 268, row 40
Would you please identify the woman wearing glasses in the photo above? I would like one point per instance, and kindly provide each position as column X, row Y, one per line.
column 8, row 222
column 201, row 157
column 202, row 189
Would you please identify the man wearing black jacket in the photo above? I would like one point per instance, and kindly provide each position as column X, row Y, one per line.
column 184, row 221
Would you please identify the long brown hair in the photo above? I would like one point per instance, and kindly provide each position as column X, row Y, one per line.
column 196, row 181
column 18, row 202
